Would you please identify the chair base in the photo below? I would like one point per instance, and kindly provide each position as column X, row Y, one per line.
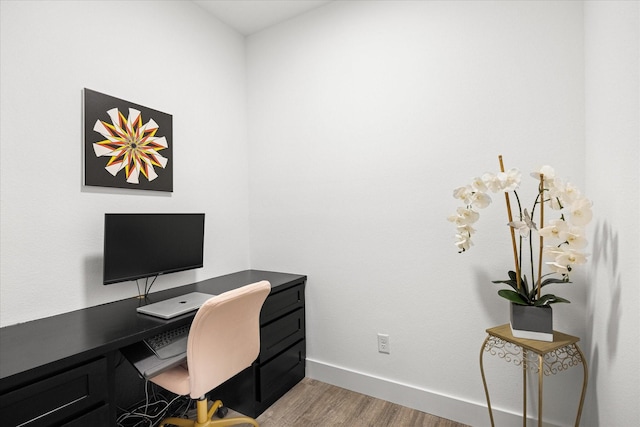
column 205, row 417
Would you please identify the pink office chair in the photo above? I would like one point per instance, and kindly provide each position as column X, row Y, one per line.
column 224, row 339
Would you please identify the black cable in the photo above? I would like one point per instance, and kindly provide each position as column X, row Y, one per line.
column 147, row 286
column 153, row 409
column 147, row 289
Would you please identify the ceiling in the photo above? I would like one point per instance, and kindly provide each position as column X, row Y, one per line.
column 250, row 16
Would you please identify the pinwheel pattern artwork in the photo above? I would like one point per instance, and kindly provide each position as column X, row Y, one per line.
column 131, row 143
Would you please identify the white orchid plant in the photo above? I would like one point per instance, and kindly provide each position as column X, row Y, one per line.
column 561, row 240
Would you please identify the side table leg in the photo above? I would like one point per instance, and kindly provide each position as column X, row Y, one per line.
column 484, row 380
column 540, row 377
column 524, row 387
column 585, row 378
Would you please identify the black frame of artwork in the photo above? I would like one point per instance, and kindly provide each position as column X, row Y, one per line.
column 126, row 145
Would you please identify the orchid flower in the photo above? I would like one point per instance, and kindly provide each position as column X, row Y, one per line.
column 480, row 200
column 580, row 211
column 549, row 175
column 566, row 233
column 574, row 237
column 502, row 181
column 525, row 226
column 554, row 229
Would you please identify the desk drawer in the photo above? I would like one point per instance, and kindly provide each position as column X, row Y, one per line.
column 281, row 303
column 280, row 334
column 57, row 398
column 281, row 373
column 94, row 418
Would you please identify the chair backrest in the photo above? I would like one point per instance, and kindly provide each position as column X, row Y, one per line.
column 224, row 338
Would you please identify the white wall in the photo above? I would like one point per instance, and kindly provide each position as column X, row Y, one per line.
column 363, row 118
column 612, row 42
column 167, row 55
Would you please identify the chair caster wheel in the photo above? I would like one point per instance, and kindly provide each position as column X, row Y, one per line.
column 222, row 412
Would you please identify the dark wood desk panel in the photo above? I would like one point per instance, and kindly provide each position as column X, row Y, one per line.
column 35, row 350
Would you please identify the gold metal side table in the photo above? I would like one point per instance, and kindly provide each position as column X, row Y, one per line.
column 545, row 358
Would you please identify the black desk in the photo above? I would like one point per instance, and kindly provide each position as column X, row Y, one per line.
column 60, row 370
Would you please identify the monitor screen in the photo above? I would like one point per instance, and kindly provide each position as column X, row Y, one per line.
column 146, row 245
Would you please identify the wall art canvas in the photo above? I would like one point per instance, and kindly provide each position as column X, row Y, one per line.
column 126, row 145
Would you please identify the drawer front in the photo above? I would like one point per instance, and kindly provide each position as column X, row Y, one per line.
column 281, row 303
column 281, row 373
column 57, row 398
column 94, row 418
column 280, row 334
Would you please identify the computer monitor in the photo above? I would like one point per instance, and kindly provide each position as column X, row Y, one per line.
column 143, row 245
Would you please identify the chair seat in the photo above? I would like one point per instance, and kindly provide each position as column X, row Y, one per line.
column 176, row 380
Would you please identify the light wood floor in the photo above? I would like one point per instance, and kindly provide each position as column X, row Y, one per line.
column 313, row 403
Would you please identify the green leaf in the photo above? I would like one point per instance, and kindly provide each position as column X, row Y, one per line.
column 511, row 283
column 550, row 280
column 513, row 296
column 546, row 282
column 525, row 288
column 549, row 299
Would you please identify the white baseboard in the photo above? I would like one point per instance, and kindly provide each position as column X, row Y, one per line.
column 452, row 408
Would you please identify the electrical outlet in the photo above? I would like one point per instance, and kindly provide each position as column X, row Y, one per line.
column 383, row 344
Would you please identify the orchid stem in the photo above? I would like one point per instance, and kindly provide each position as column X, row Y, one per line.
column 513, row 236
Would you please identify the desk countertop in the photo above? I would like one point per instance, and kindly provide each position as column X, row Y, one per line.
column 94, row 331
